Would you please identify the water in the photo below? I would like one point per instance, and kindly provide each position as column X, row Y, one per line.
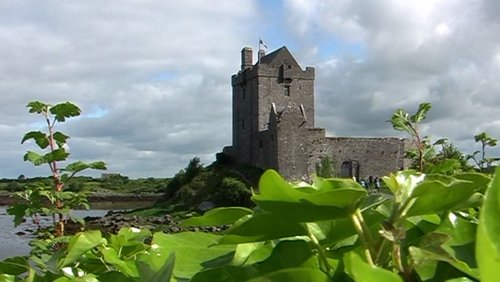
column 14, row 240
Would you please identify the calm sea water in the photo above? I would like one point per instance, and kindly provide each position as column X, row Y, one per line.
column 14, row 244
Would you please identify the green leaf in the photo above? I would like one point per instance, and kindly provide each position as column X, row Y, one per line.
column 40, row 138
column 360, row 270
column 153, row 269
column 80, row 244
column 444, row 166
column 192, row 250
column 402, row 184
column 488, row 230
column 56, row 156
column 423, row 108
column 14, row 266
column 80, row 166
column 19, row 212
column 99, row 165
column 286, row 255
column 332, row 199
column 60, row 138
column 400, row 122
column 37, row 107
column 7, row 278
column 250, row 253
column 450, row 192
column 480, row 181
column 294, row 275
column 426, row 261
column 218, row 216
column 460, row 230
column 65, row 110
column 115, row 276
column 34, row 158
column 112, row 257
column 129, row 236
column 262, row 227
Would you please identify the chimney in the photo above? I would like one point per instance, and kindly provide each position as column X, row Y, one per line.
column 246, row 58
column 261, row 54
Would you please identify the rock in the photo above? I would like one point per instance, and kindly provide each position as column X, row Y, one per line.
column 205, row 206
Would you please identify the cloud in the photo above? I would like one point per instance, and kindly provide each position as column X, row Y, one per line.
column 153, row 77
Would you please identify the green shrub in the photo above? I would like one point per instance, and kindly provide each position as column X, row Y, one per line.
column 232, row 192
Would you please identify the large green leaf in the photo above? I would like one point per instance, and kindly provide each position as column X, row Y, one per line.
column 400, row 122
column 360, row 270
column 423, row 108
column 193, row 250
column 65, row 110
column 34, row 158
column 332, row 199
column 82, row 243
column 57, row 155
column 7, row 278
column 60, row 138
column 426, row 261
column 480, row 181
column 294, row 275
column 153, row 268
column 218, row 216
column 262, row 227
column 488, row 230
column 402, row 184
column 450, row 192
column 286, row 255
column 14, row 266
column 462, row 231
column 37, row 107
column 113, row 257
column 80, row 166
column 250, row 253
column 19, row 212
column 40, row 138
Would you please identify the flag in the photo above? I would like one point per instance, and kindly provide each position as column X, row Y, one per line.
column 261, row 43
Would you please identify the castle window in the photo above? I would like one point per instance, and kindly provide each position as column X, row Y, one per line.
column 243, row 93
column 286, row 90
column 242, row 123
column 261, row 144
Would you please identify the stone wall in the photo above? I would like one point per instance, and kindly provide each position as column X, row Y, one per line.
column 377, row 156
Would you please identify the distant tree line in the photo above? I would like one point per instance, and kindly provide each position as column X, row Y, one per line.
column 112, row 184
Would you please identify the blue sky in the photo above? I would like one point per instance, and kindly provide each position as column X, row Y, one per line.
column 153, row 77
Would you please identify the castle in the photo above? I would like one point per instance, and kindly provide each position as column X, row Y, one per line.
column 273, row 124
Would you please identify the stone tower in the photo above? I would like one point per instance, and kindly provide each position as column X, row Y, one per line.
column 273, row 124
column 260, row 91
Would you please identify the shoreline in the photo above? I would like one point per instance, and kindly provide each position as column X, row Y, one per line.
column 7, row 199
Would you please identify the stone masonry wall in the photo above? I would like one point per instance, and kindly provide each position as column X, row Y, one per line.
column 376, row 156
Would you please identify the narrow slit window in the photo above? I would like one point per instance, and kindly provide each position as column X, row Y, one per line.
column 286, row 90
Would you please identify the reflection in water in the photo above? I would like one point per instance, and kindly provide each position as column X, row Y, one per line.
column 14, row 240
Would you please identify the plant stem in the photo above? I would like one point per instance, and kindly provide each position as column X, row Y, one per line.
column 322, row 256
column 363, row 237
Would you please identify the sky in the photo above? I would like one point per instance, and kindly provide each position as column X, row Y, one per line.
column 152, row 77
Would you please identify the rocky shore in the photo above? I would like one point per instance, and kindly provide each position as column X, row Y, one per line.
column 114, row 221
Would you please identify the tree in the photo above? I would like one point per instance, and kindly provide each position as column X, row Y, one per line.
column 484, row 163
column 325, row 168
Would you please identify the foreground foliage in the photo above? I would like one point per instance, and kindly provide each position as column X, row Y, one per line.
column 51, row 198
column 428, row 228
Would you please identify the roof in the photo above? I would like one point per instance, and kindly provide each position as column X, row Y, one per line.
column 279, row 57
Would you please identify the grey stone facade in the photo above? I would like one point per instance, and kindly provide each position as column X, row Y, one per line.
column 273, row 124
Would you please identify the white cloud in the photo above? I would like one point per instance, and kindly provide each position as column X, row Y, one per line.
column 153, row 77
